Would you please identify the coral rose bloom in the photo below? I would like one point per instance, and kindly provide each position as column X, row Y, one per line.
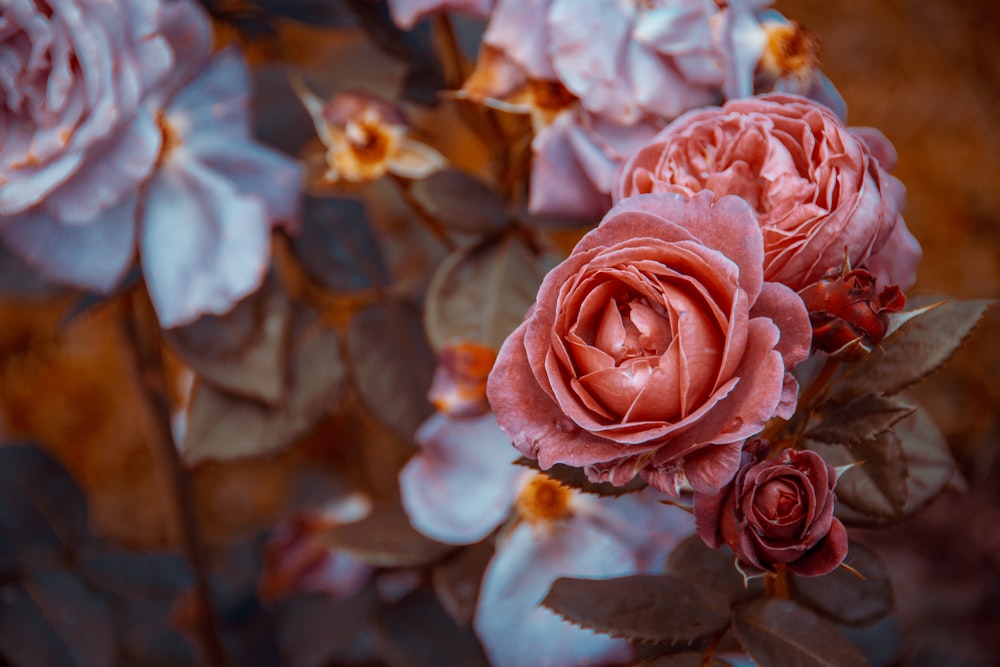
column 818, row 187
column 656, row 348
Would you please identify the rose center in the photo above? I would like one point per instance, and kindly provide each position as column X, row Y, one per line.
column 369, row 141
column 170, row 138
column 778, row 499
column 543, row 499
column 790, row 50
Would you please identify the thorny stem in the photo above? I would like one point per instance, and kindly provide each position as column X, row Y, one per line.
column 142, row 329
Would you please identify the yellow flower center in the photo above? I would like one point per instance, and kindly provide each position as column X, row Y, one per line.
column 171, row 139
column 790, row 50
column 543, row 499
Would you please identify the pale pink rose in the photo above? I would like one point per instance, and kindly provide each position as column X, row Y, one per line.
column 406, row 13
column 627, row 60
column 122, row 131
column 820, row 189
column 656, row 348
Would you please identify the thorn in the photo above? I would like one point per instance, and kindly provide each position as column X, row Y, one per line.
column 840, row 470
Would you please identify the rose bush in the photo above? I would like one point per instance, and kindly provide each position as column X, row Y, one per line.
column 777, row 513
column 655, row 348
column 818, row 187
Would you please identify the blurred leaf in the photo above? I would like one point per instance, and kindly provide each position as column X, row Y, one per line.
column 19, row 279
column 929, row 469
column 223, row 426
column 860, row 420
column 336, row 246
column 780, row 633
column 480, row 294
column 456, row 580
column 577, row 479
column 52, row 618
column 459, row 201
column 319, row 631
column 242, row 352
column 385, row 538
column 919, row 347
column 877, row 486
column 644, row 607
column 693, row 560
column 879, row 642
column 417, row 632
column 330, row 13
column 391, row 365
column 279, row 119
column 686, row 659
column 43, row 517
column 845, row 598
column 424, row 77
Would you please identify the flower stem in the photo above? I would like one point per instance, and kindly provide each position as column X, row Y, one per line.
column 453, row 59
column 817, row 388
column 143, row 333
column 776, row 585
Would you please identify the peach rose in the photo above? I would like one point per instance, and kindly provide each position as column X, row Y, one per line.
column 818, row 187
column 656, row 348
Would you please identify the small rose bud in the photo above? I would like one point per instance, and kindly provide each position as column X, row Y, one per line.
column 849, row 315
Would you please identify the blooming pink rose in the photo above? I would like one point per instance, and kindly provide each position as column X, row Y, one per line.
column 626, row 60
column 818, row 187
column 777, row 513
column 656, row 348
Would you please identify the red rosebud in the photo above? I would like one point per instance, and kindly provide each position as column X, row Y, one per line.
column 849, row 315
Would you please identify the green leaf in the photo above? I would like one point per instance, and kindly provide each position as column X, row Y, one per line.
column 694, row 560
column 222, row 426
column 577, row 479
column 919, row 348
column 242, row 352
column 385, row 538
column 859, row 421
column 844, row 597
column 480, row 294
column 929, row 468
column 643, row 607
column 459, row 201
column 391, row 365
column 781, row 633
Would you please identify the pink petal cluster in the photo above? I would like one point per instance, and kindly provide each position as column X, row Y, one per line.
column 120, row 129
column 820, row 189
column 623, row 69
column 656, row 348
column 777, row 513
column 462, row 485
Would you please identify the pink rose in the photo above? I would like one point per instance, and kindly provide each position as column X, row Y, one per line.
column 777, row 513
column 818, row 187
column 656, row 348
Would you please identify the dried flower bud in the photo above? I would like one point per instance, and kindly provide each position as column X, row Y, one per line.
column 849, row 315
